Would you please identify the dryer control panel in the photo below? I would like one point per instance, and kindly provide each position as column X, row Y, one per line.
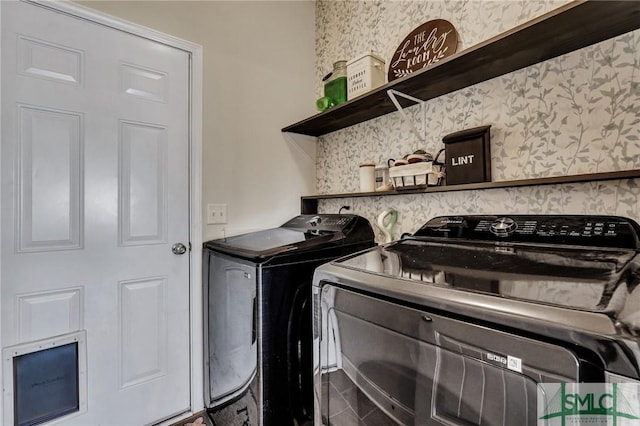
column 597, row 231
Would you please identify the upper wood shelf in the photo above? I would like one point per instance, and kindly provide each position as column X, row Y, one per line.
column 563, row 30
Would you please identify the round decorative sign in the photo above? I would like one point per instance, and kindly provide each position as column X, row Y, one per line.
column 427, row 44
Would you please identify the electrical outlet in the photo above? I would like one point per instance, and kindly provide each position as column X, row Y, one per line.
column 216, row 214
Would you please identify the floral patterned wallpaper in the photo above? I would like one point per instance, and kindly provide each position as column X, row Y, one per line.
column 578, row 113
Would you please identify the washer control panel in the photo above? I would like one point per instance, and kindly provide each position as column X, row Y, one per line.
column 330, row 221
column 503, row 226
column 321, row 222
column 601, row 231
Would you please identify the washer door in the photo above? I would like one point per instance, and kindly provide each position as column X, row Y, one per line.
column 232, row 352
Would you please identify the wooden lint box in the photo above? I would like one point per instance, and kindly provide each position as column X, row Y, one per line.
column 468, row 156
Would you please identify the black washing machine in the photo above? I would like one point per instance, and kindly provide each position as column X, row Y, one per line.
column 258, row 318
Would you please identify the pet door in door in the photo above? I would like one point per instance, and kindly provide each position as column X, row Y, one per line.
column 45, row 380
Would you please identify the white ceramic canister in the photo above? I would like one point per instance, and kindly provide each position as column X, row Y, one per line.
column 367, row 177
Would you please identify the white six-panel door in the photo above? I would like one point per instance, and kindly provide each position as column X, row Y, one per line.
column 95, row 187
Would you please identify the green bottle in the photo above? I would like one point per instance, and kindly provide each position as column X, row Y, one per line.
column 335, row 87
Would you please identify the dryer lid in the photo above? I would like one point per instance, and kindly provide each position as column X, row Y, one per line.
column 570, row 277
column 573, row 261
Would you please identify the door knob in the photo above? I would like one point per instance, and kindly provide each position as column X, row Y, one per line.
column 178, row 248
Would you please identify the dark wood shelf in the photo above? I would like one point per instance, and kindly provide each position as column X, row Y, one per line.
column 309, row 204
column 563, row 30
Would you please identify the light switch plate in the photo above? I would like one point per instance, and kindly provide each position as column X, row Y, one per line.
column 216, row 214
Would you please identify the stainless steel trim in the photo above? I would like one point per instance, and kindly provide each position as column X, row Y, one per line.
column 260, row 374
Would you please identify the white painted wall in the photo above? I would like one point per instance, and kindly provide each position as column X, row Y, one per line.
column 258, row 77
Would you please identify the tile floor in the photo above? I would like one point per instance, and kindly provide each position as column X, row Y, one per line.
column 348, row 406
column 199, row 419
